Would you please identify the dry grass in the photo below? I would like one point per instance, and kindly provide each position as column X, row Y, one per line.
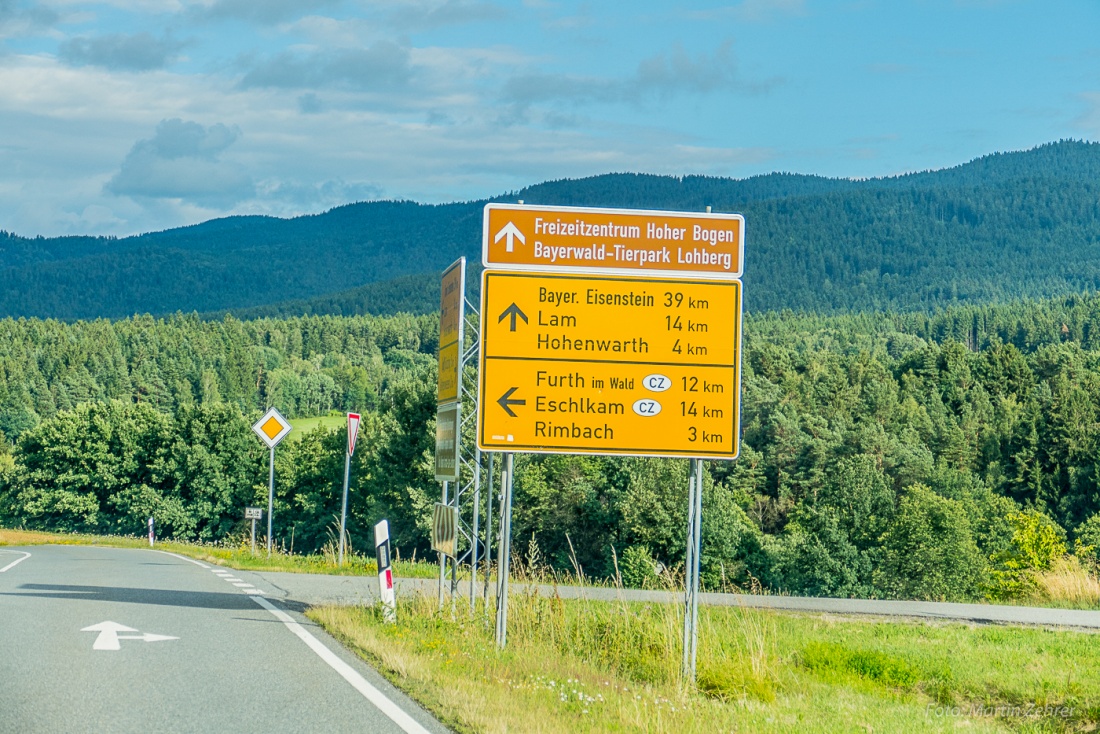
column 1068, row 582
column 30, row 537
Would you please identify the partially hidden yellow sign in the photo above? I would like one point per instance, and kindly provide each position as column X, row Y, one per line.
column 451, row 303
column 610, row 365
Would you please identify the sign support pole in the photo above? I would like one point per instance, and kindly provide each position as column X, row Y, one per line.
column 344, row 507
column 691, row 568
column 442, row 558
column 253, row 536
column 473, row 535
column 698, row 555
column 454, row 558
column 504, row 552
column 489, row 530
column 270, row 498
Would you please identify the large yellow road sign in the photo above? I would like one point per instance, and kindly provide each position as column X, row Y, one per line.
column 613, row 241
column 609, row 365
column 452, row 301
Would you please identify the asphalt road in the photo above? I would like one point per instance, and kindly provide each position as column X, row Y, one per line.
column 310, row 589
column 174, row 646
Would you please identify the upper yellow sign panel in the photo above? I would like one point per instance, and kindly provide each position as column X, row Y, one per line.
column 619, row 241
column 452, row 299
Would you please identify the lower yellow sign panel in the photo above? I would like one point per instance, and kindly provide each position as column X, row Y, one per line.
column 617, row 405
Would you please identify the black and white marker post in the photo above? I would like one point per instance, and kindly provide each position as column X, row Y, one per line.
column 353, row 432
column 385, row 573
column 151, row 536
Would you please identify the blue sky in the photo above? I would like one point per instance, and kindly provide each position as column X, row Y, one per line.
column 136, row 115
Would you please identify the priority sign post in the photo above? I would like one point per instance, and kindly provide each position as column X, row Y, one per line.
column 271, row 428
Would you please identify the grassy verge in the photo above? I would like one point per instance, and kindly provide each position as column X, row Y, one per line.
column 240, row 557
column 583, row 666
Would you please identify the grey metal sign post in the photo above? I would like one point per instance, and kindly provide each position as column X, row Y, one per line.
column 353, row 432
column 270, row 498
column 504, row 552
column 271, row 428
column 488, row 530
column 691, row 568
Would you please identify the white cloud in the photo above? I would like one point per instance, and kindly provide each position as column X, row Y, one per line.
column 661, row 75
column 16, row 20
column 381, row 66
column 261, row 12
column 137, row 52
column 181, row 161
column 414, row 15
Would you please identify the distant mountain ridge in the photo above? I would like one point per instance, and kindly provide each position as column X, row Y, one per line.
column 1001, row 227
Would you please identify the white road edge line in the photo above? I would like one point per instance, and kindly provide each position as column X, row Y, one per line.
column 16, row 561
column 358, row 682
column 184, row 558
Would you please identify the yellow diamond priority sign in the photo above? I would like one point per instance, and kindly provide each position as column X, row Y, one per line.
column 272, row 428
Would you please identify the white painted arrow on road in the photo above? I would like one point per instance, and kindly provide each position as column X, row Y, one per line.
column 109, row 636
column 512, row 232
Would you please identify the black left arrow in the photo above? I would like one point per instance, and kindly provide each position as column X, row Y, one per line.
column 506, row 402
column 513, row 311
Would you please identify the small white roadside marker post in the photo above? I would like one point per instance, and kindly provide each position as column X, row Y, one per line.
column 353, row 432
column 150, row 532
column 385, row 573
column 253, row 514
column 271, row 428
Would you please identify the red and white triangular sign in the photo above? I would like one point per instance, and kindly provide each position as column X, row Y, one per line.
column 353, row 431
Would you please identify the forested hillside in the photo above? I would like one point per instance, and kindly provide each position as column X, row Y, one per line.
column 928, row 456
column 998, row 228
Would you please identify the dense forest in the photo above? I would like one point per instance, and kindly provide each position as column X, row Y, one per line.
column 997, row 229
column 886, row 455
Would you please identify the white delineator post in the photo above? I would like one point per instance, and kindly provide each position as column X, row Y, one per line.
column 385, row 572
column 151, row 532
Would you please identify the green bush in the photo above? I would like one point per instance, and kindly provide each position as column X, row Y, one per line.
column 929, row 551
column 1037, row 541
column 638, row 568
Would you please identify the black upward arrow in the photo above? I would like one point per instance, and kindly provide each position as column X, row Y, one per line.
column 513, row 311
column 506, row 403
